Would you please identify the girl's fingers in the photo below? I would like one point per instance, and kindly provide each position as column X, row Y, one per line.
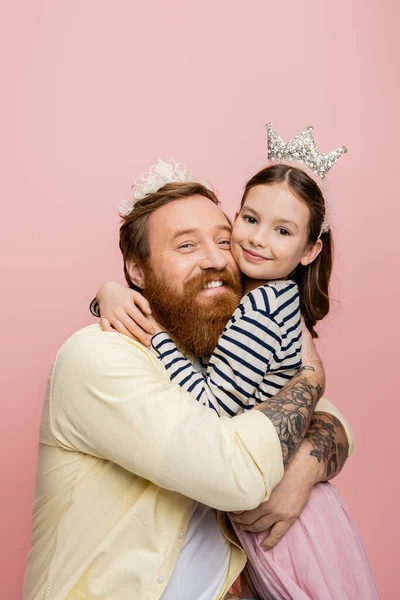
column 141, row 302
column 120, row 327
column 130, row 328
column 135, row 315
column 105, row 324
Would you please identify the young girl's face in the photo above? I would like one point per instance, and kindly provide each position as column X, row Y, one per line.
column 270, row 236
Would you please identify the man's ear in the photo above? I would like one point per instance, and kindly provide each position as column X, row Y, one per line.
column 312, row 253
column 136, row 273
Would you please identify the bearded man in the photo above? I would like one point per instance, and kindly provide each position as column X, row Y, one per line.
column 132, row 469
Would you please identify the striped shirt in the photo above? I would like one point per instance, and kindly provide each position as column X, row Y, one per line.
column 257, row 353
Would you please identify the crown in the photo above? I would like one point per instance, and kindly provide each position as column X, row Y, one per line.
column 302, row 149
column 163, row 172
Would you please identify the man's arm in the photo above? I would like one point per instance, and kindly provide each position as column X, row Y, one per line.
column 319, row 457
column 329, row 439
column 326, row 441
column 292, row 408
column 111, row 398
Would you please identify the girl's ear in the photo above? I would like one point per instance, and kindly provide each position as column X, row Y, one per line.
column 312, row 253
column 136, row 273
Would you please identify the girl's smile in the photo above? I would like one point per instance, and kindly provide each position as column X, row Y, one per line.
column 270, row 237
column 253, row 256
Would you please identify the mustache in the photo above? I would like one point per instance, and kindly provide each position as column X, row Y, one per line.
column 199, row 282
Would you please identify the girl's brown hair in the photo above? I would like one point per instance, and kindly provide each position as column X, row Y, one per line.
column 313, row 279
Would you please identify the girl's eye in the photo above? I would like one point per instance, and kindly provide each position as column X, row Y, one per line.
column 283, row 231
column 250, row 220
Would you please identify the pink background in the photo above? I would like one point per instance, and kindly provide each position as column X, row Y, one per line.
column 94, row 92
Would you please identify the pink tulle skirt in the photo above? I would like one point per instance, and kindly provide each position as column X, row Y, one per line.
column 321, row 557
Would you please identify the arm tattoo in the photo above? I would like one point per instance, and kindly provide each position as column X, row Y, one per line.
column 329, row 441
column 290, row 411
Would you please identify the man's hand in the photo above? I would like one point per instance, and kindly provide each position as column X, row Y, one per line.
column 320, row 457
column 286, row 502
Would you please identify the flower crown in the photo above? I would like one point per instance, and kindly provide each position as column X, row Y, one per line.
column 163, row 172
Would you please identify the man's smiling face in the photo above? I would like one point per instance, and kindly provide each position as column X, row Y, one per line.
column 191, row 279
column 188, row 238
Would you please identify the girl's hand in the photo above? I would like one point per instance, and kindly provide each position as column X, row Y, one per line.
column 126, row 311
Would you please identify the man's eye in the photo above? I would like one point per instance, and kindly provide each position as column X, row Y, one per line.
column 283, row 231
column 225, row 243
column 250, row 220
column 186, row 246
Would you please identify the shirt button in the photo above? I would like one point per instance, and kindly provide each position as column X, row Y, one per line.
column 160, row 579
column 181, row 534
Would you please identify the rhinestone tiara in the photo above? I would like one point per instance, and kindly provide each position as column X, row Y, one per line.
column 302, row 149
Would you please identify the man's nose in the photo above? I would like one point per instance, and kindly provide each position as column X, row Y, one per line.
column 214, row 258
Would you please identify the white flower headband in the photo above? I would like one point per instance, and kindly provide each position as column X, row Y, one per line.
column 163, row 172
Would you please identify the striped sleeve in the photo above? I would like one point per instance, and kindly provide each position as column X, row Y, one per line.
column 179, row 368
column 237, row 367
column 94, row 308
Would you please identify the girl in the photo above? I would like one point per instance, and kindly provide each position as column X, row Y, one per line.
column 283, row 246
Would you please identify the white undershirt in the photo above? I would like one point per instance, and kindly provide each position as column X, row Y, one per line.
column 202, row 566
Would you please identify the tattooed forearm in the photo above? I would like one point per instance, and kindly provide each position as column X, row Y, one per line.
column 291, row 410
column 329, row 441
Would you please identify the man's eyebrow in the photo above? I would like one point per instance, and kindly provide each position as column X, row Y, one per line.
column 184, row 232
column 225, row 227
column 180, row 232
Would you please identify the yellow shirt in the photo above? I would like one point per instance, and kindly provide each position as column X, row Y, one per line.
column 123, row 455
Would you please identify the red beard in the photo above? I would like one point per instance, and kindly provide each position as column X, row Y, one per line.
column 193, row 322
